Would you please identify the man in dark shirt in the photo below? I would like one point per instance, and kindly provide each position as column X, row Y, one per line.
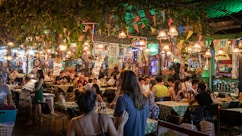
column 203, row 97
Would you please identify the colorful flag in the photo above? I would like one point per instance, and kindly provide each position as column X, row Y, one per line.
column 189, row 34
column 152, row 29
column 200, row 37
column 136, row 27
column 181, row 29
column 170, row 21
column 143, row 25
column 100, row 31
column 154, row 20
column 180, row 44
column 136, row 19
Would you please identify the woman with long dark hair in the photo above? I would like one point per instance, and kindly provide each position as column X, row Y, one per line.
column 178, row 93
column 38, row 98
column 91, row 123
column 134, row 102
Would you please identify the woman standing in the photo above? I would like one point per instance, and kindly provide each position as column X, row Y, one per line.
column 38, row 98
column 134, row 102
column 38, row 94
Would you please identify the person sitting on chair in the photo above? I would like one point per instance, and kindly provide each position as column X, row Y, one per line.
column 203, row 97
column 154, row 110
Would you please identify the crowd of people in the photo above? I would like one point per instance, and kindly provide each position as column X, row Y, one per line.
column 133, row 104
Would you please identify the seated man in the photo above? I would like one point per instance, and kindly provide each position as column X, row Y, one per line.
column 203, row 97
column 154, row 110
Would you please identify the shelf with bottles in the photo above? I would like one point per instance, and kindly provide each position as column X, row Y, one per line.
column 226, row 85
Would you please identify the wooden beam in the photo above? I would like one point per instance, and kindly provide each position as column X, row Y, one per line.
column 227, row 28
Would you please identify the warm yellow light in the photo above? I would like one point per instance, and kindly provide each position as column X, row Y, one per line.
column 100, row 46
column 10, row 44
column 73, row 45
column 172, row 31
column 169, row 53
column 85, row 48
column 86, row 44
column 166, row 48
column 208, row 54
column 196, row 47
column 236, row 50
column 162, row 35
column 220, row 52
column 48, row 50
column 122, row 35
column 189, row 49
column 68, row 53
column 62, row 47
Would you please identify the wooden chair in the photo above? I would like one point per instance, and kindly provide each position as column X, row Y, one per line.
column 207, row 128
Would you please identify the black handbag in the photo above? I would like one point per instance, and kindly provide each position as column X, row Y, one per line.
column 45, row 109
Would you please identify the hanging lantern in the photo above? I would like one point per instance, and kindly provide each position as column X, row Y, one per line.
column 196, row 48
column 122, row 35
column 73, row 45
column 68, row 53
column 10, row 44
column 220, row 52
column 48, row 51
column 100, row 46
column 172, row 31
column 189, row 49
column 169, row 53
column 62, row 48
column 236, row 50
column 85, row 48
column 162, row 35
column 166, row 48
column 208, row 54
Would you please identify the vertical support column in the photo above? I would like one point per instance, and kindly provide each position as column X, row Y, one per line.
column 211, row 68
column 240, row 73
column 159, row 59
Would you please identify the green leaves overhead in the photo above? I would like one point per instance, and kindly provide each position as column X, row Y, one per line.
column 22, row 18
